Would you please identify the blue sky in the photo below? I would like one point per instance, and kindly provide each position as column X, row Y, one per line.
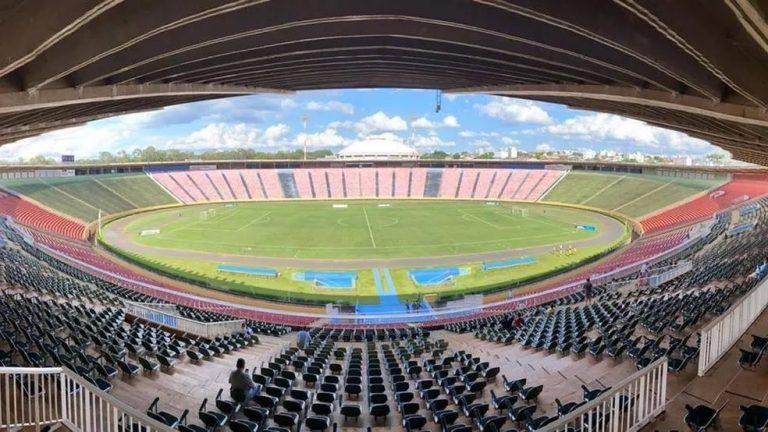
column 341, row 117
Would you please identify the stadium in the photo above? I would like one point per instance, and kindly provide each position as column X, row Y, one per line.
column 380, row 289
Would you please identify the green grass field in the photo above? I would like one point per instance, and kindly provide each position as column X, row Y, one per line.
column 364, row 230
column 316, row 230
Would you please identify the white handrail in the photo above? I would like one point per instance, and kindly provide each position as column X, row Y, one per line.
column 148, row 312
column 720, row 335
column 35, row 397
column 628, row 406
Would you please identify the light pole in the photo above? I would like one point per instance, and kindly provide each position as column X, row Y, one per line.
column 304, row 120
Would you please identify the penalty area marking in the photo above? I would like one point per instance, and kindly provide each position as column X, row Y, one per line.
column 465, row 215
column 254, row 221
column 370, row 232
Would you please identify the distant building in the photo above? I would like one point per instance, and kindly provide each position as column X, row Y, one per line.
column 378, row 148
column 682, row 160
column 507, row 153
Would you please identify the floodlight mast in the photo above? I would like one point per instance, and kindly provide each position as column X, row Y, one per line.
column 304, row 120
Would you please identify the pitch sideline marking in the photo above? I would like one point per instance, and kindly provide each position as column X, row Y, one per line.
column 370, row 232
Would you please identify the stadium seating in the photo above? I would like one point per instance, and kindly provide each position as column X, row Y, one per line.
column 82, row 197
column 39, row 218
column 706, row 206
column 418, row 180
column 270, row 184
column 498, row 182
column 405, row 377
column 484, row 180
column 235, row 181
column 513, row 184
column 433, row 182
column 352, row 182
column 467, row 185
column 253, row 183
column 336, row 183
column 386, row 182
column 633, row 195
column 368, row 182
column 450, row 183
column 173, row 186
column 532, row 178
column 303, row 185
column 402, row 182
column 222, row 186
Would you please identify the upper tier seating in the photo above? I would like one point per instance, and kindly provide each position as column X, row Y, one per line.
column 634, row 195
column 450, row 183
column 39, row 218
column 83, row 196
column 418, row 182
column 386, row 182
column 706, row 206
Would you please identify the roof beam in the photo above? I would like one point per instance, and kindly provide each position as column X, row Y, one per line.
column 26, row 33
column 654, row 98
column 139, row 20
column 25, row 101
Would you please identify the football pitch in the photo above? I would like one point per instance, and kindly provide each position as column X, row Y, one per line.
column 359, row 229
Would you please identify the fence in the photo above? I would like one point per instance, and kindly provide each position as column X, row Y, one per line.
column 35, row 397
column 670, row 273
column 149, row 312
column 628, row 406
column 720, row 335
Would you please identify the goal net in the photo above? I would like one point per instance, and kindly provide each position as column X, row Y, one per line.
column 517, row 211
column 207, row 214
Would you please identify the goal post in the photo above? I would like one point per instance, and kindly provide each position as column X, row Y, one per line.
column 517, row 211
column 207, row 214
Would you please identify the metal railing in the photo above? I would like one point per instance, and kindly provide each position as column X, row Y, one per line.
column 721, row 334
column 36, row 397
column 628, row 406
column 149, row 312
column 670, row 273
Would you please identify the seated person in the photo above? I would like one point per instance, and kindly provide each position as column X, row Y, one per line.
column 240, row 382
column 303, row 339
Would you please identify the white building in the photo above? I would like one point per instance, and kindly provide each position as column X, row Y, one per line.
column 507, row 153
column 683, row 160
column 378, row 148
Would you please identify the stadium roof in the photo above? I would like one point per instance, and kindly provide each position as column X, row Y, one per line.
column 694, row 66
column 380, row 147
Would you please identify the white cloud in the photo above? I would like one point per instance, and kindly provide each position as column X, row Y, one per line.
column 430, row 142
column 543, row 147
column 218, row 136
column 515, row 110
column 84, row 141
column 509, row 141
column 380, row 122
column 328, row 138
column 423, row 123
column 451, row 121
column 334, row 106
column 610, row 127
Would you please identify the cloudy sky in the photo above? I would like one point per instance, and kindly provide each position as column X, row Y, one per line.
column 338, row 118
